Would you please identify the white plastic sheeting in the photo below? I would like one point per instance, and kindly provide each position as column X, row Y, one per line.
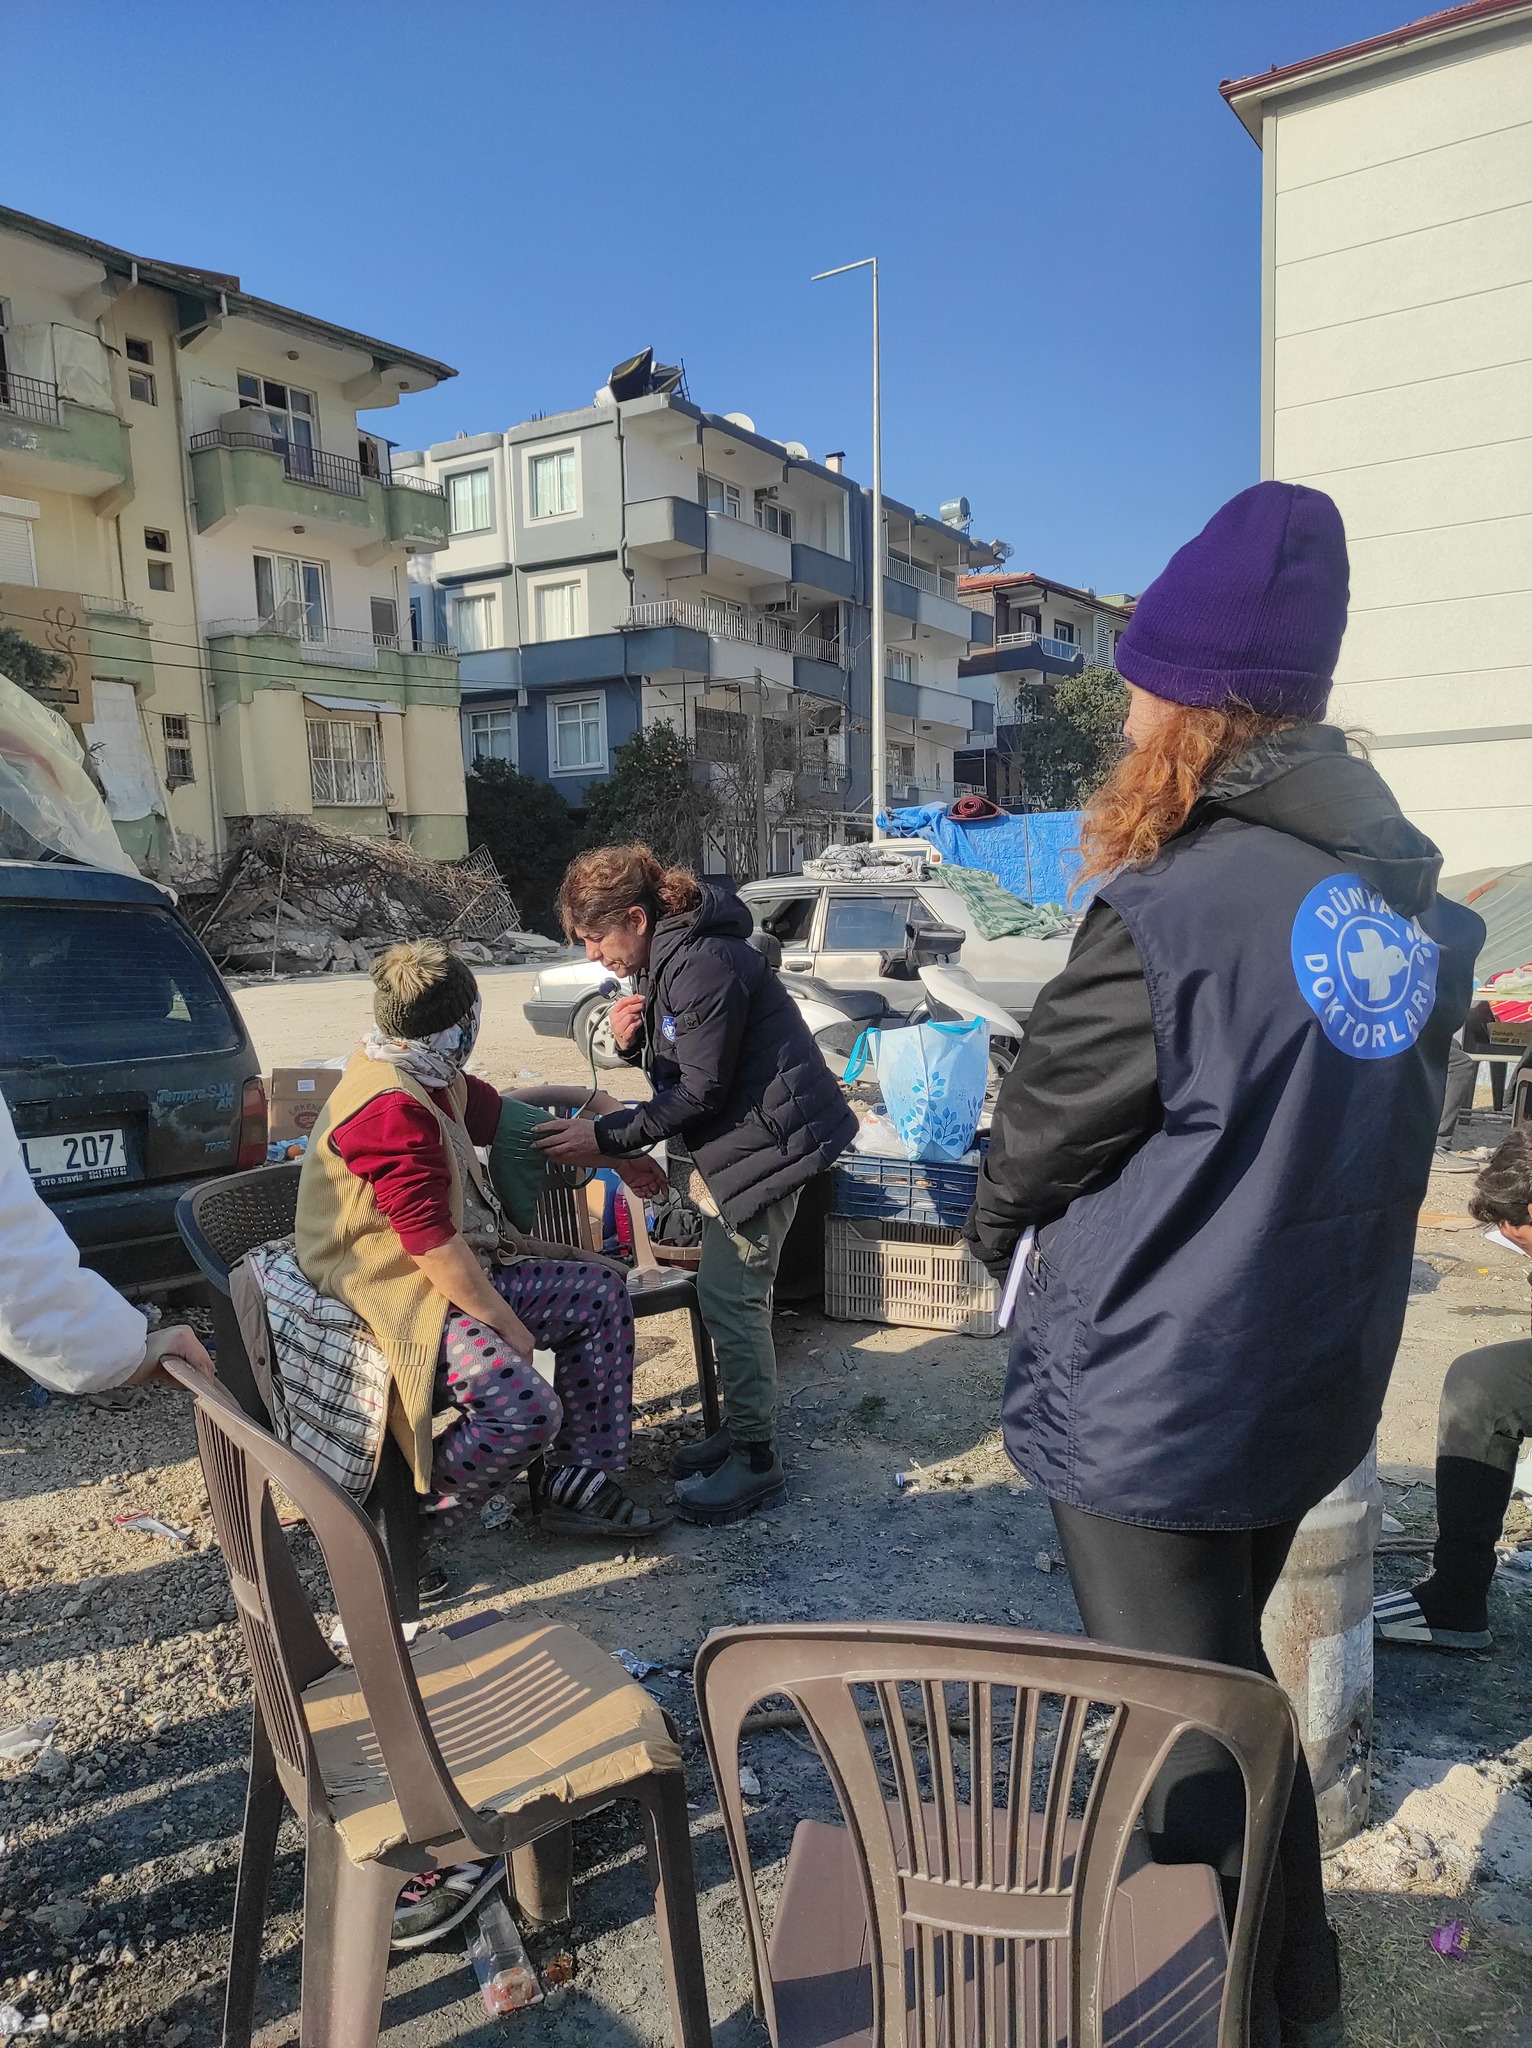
column 116, row 741
column 47, row 792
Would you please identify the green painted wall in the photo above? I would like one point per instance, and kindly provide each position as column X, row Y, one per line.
column 438, row 838
column 242, row 664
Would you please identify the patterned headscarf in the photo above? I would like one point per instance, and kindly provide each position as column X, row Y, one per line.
column 434, row 1062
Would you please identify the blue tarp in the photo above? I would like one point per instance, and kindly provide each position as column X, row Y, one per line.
column 1034, row 854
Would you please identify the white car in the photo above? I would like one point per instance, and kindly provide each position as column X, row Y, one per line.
column 569, row 999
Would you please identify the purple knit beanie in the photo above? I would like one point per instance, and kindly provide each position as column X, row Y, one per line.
column 1254, row 608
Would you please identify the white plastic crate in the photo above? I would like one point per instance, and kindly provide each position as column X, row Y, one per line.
column 920, row 1275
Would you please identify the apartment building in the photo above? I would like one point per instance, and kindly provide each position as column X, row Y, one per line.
column 640, row 560
column 1396, row 375
column 1043, row 633
column 191, row 513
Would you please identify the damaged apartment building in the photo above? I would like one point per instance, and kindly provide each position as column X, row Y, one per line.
column 192, row 516
column 640, row 559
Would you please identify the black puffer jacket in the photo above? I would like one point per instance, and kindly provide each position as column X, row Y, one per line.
column 736, row 1076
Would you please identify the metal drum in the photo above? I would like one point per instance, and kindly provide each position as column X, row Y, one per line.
column 1318, row 1635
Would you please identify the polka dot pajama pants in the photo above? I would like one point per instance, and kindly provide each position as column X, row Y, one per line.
column 583, row 1314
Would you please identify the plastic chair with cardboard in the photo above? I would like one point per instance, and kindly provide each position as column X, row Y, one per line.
column 990, row 1888
column 486, row 1738
column 218, row 1223
column 660, row 1281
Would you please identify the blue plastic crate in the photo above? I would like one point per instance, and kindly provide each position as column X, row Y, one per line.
column 909, row 1190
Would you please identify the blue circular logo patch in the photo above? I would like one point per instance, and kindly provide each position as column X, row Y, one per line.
column 1368, row 974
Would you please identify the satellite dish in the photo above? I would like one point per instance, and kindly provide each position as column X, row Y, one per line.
column 797, row 451
column 742, row 420
column 956, row 512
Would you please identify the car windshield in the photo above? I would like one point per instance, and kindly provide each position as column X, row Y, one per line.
column 83, row 984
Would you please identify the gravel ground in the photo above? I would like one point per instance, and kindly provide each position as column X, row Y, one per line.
column 118, row 1841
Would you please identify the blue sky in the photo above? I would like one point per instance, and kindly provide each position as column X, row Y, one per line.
column 1066, row 214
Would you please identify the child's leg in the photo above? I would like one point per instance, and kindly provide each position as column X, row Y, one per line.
column 509, row 1414
column 583, row 1314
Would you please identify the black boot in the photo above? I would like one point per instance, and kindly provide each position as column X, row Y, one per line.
column 1471, row 1500
column 706, row 1455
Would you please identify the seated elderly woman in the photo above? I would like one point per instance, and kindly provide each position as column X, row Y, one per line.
column 406, row 1301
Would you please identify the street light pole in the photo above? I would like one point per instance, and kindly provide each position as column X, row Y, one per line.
column 879, row 720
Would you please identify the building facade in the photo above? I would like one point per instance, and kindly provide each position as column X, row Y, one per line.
column 1396, row 375
column 1044, row 632
column 190, row 511
column 641, row 560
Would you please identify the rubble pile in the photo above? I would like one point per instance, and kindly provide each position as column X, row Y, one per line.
column 296, row 899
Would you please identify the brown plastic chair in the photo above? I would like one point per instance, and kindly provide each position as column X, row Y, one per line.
column 989, row 1889
column 484, row 1739
column 656, row 1289
column 219, row 1222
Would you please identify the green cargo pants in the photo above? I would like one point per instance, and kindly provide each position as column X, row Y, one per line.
column 734, row 1283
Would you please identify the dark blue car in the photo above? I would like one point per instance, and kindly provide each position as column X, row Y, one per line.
column 127, row 1068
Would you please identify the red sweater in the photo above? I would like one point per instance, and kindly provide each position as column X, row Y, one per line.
column 396, row 1144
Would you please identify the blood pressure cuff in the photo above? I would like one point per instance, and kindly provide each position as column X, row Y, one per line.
column 517, row 1170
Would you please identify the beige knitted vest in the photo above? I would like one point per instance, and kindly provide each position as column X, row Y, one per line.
column 350, row 1251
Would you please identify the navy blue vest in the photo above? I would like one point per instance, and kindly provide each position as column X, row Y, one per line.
column 1205, row 1342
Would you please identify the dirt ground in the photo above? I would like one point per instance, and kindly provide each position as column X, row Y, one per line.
column 119, row 1841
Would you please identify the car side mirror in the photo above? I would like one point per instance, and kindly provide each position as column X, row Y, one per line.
column 926, row 944
column 768, row 945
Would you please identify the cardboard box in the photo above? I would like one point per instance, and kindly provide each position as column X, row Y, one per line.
column 295, row 1096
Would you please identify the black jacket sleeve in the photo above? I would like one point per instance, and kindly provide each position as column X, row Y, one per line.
column 710, row 1007
column 1082, row 1096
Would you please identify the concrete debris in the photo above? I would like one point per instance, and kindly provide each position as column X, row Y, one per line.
column 295, row 899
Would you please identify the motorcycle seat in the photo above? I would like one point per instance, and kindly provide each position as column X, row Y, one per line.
column 862, row 1005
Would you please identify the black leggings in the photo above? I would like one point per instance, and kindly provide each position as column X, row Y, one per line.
column 1196, row 1593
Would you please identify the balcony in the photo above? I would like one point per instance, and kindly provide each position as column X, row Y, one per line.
column 1027, row 653
column 732, row 622
column 928, row 597
column 667, row 528
column 1061, row 650
column 273, row 484
column 120, row 648
column 939, row 582
column 756, row 555
column 285, row 653
column 51, row 443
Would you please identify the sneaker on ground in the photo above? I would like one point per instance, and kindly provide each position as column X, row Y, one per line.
column 436, row 1901
column 1399, row 1618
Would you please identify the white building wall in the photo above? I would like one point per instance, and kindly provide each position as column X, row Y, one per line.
column 1398, row 284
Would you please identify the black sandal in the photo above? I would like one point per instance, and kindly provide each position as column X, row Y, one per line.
column 582, row 1501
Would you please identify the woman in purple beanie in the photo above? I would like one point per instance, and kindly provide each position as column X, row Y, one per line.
column 1221, row 1127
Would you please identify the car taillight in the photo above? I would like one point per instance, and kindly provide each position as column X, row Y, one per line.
column 252, row 1124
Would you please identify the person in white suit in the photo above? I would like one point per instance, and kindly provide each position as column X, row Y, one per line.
column 63, row 1325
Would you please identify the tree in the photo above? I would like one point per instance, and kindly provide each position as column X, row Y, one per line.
column 1058, row 758
column 530, row 835
column 652, row 794
column 28, row 666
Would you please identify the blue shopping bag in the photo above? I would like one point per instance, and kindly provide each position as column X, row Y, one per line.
column 933, row 1078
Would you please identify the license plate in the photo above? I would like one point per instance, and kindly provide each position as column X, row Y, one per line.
column 82, row 1156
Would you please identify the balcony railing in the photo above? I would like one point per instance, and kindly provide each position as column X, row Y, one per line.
column 408, row 480
column 1062, row 650
column 333, row 646
column 729, row 622
column 939, row 582
column 111, row 607
column 30, row 398
column 301, row 465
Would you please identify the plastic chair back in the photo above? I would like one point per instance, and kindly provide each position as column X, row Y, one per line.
column 1019, row 1764
column 240, row 1463
column 223, row 1219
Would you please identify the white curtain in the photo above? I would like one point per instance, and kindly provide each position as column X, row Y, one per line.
column 82, row 368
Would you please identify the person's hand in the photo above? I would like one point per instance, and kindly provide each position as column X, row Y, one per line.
column 514, row 1334
column 569, row 1141
column 625, row 1017
column 175, row 1341
column 645, row 1176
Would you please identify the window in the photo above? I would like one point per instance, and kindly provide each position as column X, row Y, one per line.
column 156, row 540
column 558, row 609
column 161, row 576
column 85, row 984
column 789, row 919
column 292, row 596
column 138, row 351
column 141, row 387
column 18, row 564
column 385, row 621
column 866, row 924
column 473, row 623
column 290, row 417
column 372, row 456
column 781, row 852
column 344, row 767
column 719, row 496
column 1062, row 630
column 468, row 500
column 578, row 734
column 774, row 517
column 901, row 764
column 175, row 728
column 899, row 664
column 492, row 736
column 551, row 484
